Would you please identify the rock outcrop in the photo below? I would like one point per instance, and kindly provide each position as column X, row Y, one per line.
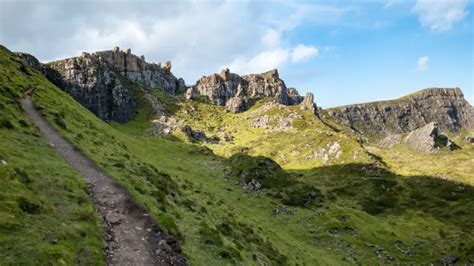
column 31, row 61
column 96, row 80
column 424, row 139
column 236, row 92
column 447, row 107
column 308, row 103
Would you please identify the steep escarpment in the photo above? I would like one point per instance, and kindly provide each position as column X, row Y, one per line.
column 445, row 106
column 237, row 92
column 100, row 80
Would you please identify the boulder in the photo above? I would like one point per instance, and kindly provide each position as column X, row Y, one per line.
column 428, row 139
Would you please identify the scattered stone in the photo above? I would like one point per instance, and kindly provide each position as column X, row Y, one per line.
column 450, row 259
column 281, row 121
column 253, row 185
column 196, row 135
column 4, row 162
column 469, row 139
column 284, row 210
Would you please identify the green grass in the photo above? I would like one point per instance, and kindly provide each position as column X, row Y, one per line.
column 292, row 148
column 457, row 165
column 46, row 216
column 359, row 206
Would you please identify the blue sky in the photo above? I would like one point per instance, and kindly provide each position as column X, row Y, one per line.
column 342, row 51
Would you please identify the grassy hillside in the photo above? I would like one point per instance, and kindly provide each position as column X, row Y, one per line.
column 46, row 216
column 351, row 209
column 457, row 165
column 294, row 138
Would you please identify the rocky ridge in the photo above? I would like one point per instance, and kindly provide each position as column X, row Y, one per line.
column 101, row 81
column 446, row 106
column 237, row 92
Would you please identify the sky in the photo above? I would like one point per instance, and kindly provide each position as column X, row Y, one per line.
column 343, row 51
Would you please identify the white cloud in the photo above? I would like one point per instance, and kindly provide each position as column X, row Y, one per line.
column 199, row 37
column 263, row 61
column 440, row 15
column 271, row 38
column 303, row 53
column 272, row 58
column 422, row 63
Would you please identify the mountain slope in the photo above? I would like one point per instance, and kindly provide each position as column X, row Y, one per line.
column 447, row 107
column 334, row 214
column 46, row 216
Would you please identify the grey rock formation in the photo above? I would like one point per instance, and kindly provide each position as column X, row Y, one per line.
column 226, row 86
column 424, row 139
column 31, row 61
column 93, row 83
column 294, row 97
column 236, row 105
column 308, row 103
column 447, row 107
column 391, row 140
column 196, row 135
column 97, row 81
column 135, row 68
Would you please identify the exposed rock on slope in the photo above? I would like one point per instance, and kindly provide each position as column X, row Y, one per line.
column 424, row 139
column 308, row 103
column 447, row 107
column 235, row 91
column 96, row 81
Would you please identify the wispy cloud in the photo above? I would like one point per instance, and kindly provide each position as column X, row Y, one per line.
column 422, row 63
column 303, row 53
column 272, row 58
column 440, row 15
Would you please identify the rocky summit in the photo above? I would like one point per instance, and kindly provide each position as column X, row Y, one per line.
column 445, row 106
column 238, row 92
column 103, row 81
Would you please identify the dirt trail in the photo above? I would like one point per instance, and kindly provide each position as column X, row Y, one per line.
column 133, row 237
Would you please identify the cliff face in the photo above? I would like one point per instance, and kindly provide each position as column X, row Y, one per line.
column 235, row 91
column 96, row 81
column 445, row 106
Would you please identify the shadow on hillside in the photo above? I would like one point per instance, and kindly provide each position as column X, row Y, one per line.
column 380, row 192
